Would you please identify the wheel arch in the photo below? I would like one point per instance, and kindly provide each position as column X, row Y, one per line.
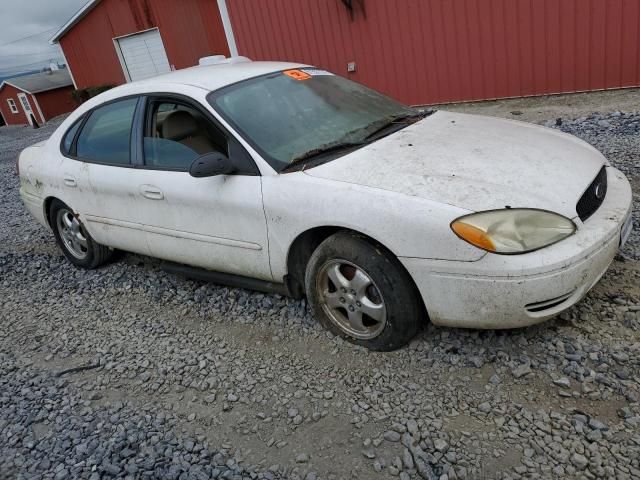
column 306, row 243
column 48, row 201
column 47, row 208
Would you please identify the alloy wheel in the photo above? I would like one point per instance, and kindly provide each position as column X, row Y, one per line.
column 351, row 299
column 72, row 234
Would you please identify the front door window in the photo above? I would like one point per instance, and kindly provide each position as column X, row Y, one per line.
column 177, row 135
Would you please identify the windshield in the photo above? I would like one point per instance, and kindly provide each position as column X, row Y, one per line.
column 294, row 114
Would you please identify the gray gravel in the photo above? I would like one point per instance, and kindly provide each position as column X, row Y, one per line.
column 617, row 136
column 131, row 372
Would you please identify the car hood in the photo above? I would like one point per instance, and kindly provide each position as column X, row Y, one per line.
column 474, row 162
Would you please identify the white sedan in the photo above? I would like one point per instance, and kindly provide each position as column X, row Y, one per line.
column 284, row 177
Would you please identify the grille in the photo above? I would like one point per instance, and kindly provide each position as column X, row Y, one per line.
column 593, row 197
column 547, row 304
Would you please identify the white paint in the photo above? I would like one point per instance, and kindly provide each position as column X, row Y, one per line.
column 475, row 162
column 75, row 85
column 181, row 234
column 142, row 55
column 492, row 292
column 37, row 104
column 26, row 107
column 212, row 60
column 403, row 191
column 221, row 60
column 12, row 105
column 228, row 28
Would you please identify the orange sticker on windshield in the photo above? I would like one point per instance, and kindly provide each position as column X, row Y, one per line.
column 297, row 74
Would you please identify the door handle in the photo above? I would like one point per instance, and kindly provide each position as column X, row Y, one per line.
column 151, row 192
column 69, row 181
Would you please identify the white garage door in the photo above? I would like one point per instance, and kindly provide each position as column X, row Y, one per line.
column 143, row 55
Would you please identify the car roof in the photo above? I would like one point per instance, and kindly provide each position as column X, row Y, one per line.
column 213, row 77
column 205, row 77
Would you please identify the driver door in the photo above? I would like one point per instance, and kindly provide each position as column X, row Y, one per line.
column 217, row 223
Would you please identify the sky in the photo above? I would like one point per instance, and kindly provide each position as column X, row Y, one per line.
column 26, row 26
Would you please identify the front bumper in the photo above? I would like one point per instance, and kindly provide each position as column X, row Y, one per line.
column 500, row 291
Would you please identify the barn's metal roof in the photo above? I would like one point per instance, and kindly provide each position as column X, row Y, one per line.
column 79, row 15
column 41, row 82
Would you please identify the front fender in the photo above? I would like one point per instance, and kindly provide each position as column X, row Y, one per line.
column 408, row 226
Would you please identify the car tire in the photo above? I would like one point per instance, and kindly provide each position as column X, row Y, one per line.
column 358, row 290
column 74, row 240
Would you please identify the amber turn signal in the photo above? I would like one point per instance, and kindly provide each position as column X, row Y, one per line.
column 473, row 235
column 513, row 231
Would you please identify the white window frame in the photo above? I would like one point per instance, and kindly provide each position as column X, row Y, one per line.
column 228, row 28
column 12, row 105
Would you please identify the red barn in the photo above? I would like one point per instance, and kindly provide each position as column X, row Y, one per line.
column 117, row 41
column 418, row 51
column 36, row 98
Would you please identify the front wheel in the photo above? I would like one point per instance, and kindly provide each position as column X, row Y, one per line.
column 73, row 239
column 360, row 291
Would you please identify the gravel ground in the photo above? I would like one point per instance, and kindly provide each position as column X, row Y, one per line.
column 128, row 371
column 541, row 109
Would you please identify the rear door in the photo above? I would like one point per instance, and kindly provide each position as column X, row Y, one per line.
column 217, row 222
column 100, row 173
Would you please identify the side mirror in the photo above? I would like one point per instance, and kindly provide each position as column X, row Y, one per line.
column 210, row 165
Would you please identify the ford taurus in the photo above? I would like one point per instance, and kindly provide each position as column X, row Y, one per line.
column 285, row 177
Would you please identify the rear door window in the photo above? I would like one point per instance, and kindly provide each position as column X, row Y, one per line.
column 106, row 136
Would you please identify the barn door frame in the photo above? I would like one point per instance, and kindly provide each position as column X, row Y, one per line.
column 123, row 63
column 23, row 100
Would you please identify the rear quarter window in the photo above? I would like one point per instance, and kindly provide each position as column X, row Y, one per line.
column 67, row 142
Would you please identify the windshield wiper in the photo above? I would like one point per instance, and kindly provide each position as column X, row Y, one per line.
column 378, row 126
column 370, row 130
column 320, row 151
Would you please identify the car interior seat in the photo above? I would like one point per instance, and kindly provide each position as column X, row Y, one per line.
column 180, row 126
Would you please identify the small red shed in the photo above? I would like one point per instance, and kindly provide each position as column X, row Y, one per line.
column 36, row 98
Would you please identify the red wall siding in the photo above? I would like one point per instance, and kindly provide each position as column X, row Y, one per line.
column 56, row 102
column 190, row 29
column 435, row 51
column 19, row 118
column 52, row 103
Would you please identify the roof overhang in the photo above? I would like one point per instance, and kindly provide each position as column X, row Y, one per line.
column 5, row 82
column 79, row 15
column 32, row 92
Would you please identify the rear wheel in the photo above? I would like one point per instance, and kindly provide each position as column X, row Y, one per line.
column 73, row 239
column 359, row 290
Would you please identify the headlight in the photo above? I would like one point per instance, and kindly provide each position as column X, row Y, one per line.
column 513, row 230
